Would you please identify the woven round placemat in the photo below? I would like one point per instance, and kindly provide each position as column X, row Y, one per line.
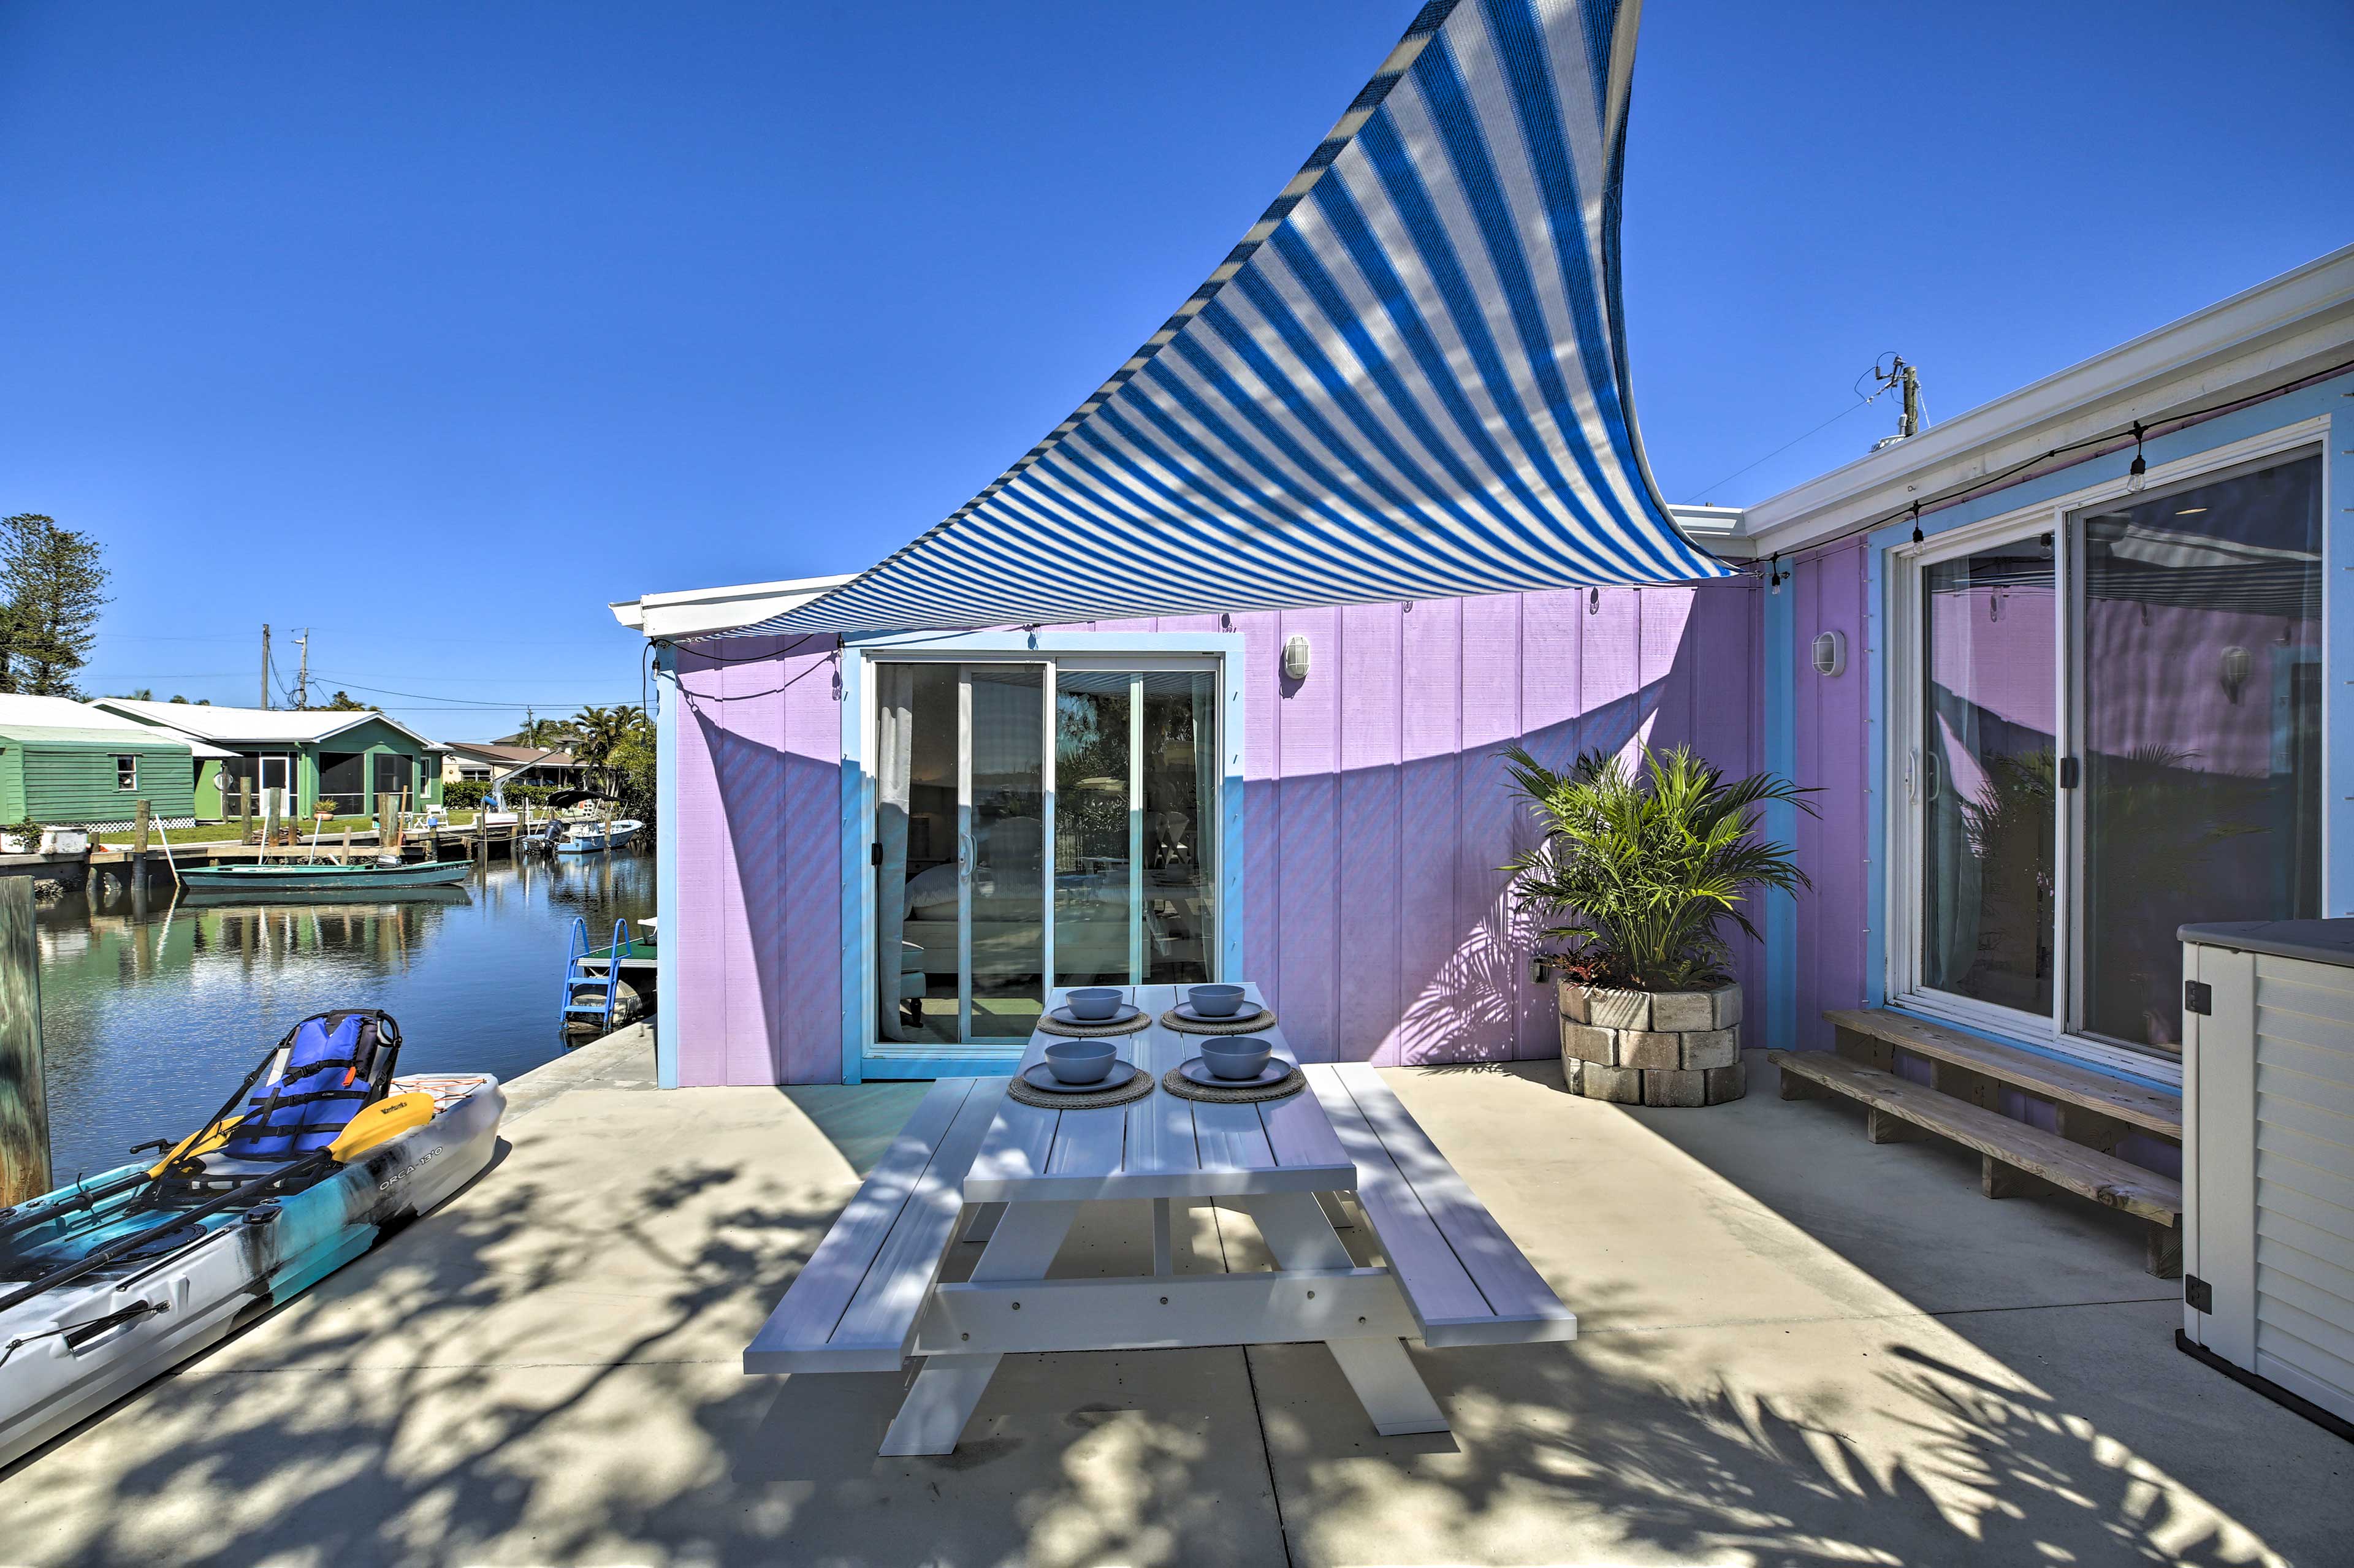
column 1139, row 1085
column 1050, row 1024
column 1185, row 1088
column 1263, row 1019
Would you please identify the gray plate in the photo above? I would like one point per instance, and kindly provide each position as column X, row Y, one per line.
column 1128, row 1012
column 1198, row 1071
column 1242, row 1014
column 1040, row 1076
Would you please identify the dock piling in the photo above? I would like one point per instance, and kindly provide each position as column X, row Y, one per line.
column 24, row 1099
column 139, row 820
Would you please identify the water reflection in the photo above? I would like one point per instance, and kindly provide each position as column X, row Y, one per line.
column 153, row 1008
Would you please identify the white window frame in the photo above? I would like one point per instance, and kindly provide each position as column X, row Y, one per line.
column 865, row 1053
column 1907, row 562
column 133, row 787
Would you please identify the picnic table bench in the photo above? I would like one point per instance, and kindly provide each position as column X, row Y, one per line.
column 871, row 1296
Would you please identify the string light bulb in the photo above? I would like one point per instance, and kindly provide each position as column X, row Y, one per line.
column 1774, row 571
column 2138, row 474
column 1917, row 523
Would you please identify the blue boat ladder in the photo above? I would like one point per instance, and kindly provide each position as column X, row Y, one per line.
column 590, row 997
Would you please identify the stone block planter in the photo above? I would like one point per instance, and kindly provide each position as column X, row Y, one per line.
column 1652, row 1048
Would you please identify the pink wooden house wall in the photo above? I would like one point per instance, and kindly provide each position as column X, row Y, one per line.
column 1831, row 751
column 1376, row 816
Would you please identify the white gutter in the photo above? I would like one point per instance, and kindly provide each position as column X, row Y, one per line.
column 2271, row 336
column 702, row 612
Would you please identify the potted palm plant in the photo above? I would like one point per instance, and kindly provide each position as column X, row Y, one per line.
column 1639, row 869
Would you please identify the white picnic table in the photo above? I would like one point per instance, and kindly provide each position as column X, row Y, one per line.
column 871, row 1296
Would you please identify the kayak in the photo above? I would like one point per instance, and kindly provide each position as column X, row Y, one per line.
column 341, row 881
column 118, row 1278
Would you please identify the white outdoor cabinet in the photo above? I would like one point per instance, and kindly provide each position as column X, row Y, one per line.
column 2268, row 1157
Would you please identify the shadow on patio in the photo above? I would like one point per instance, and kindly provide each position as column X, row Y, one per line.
column 547, row 1371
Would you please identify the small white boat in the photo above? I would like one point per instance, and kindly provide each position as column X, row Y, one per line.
column 591, row 838
column 121, row 1277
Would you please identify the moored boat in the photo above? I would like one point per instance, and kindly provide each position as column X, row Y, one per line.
column 322, row 877
column 118, row 1278
column 589, row 837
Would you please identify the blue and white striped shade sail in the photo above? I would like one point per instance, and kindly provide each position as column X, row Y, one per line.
column 1409, row 380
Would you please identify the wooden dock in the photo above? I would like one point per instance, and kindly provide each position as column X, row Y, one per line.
column 466, row 842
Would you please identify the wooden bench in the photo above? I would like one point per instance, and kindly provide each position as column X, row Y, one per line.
column 2092, row 1109
column 1463, row 1278
column 854, row 1306
column 2015, row 1159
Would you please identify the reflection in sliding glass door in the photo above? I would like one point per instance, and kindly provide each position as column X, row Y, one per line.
column 977, row 795
column 1987, row 774
column 1006, row 918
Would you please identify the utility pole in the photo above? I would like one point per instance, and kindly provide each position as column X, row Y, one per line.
column 303, row 675
column 1907, row 380
column 265, row 663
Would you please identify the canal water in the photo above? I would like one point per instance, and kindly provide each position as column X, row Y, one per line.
column 153, row 1011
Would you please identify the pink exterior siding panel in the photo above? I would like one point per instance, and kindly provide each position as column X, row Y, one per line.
column 1376, row 816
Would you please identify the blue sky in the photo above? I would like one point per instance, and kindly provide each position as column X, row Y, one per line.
column 435, row 327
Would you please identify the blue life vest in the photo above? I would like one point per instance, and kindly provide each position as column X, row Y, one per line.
column 323, row 1085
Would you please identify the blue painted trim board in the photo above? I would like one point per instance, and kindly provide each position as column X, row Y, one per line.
column 1782, row 915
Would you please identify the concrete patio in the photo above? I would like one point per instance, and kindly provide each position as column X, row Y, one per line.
column 1797, row 1348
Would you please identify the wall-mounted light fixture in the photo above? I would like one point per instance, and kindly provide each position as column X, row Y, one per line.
column 1295, row 656
column 1831, row 654
column 2237, row 663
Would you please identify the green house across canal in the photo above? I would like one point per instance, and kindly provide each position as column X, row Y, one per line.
column 64, row 763
column 345, row 757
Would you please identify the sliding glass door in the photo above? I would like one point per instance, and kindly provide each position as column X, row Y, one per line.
column 1035, row 824
column 2115, row 729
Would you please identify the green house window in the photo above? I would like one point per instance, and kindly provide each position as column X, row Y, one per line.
column 126, row 773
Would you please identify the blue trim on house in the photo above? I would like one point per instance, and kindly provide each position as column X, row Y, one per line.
column 1781, row 721
column 858, row 1028
column 667, row 981
column 858, row 1006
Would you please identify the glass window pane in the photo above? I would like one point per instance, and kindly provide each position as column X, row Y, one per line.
column 1988, row 645
column 1093, row 819
column 916, row 830
column 1181, row 810
column 1009, row 804
column 2202, row 732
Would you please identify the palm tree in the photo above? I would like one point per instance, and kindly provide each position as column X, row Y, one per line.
column 601, row 731
column 1643, row 866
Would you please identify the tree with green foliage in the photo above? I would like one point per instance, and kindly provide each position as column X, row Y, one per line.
column 344, row 702
column 617, row 745
column 52, row 586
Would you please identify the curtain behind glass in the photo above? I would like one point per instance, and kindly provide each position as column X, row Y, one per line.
column 2202, row 731
column 894, row 720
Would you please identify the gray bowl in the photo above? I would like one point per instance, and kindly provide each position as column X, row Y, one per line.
column 1081, row 1061
column 1094, row 1003
column 1236, row 1056
column 1214, row 1000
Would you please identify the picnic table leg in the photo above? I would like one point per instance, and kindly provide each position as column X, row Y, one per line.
column 984, row 1221
column 1379, row 1369
column 941, row 1399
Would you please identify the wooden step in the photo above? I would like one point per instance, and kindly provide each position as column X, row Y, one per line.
column 2000, row 1140
column 2142, row 1110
